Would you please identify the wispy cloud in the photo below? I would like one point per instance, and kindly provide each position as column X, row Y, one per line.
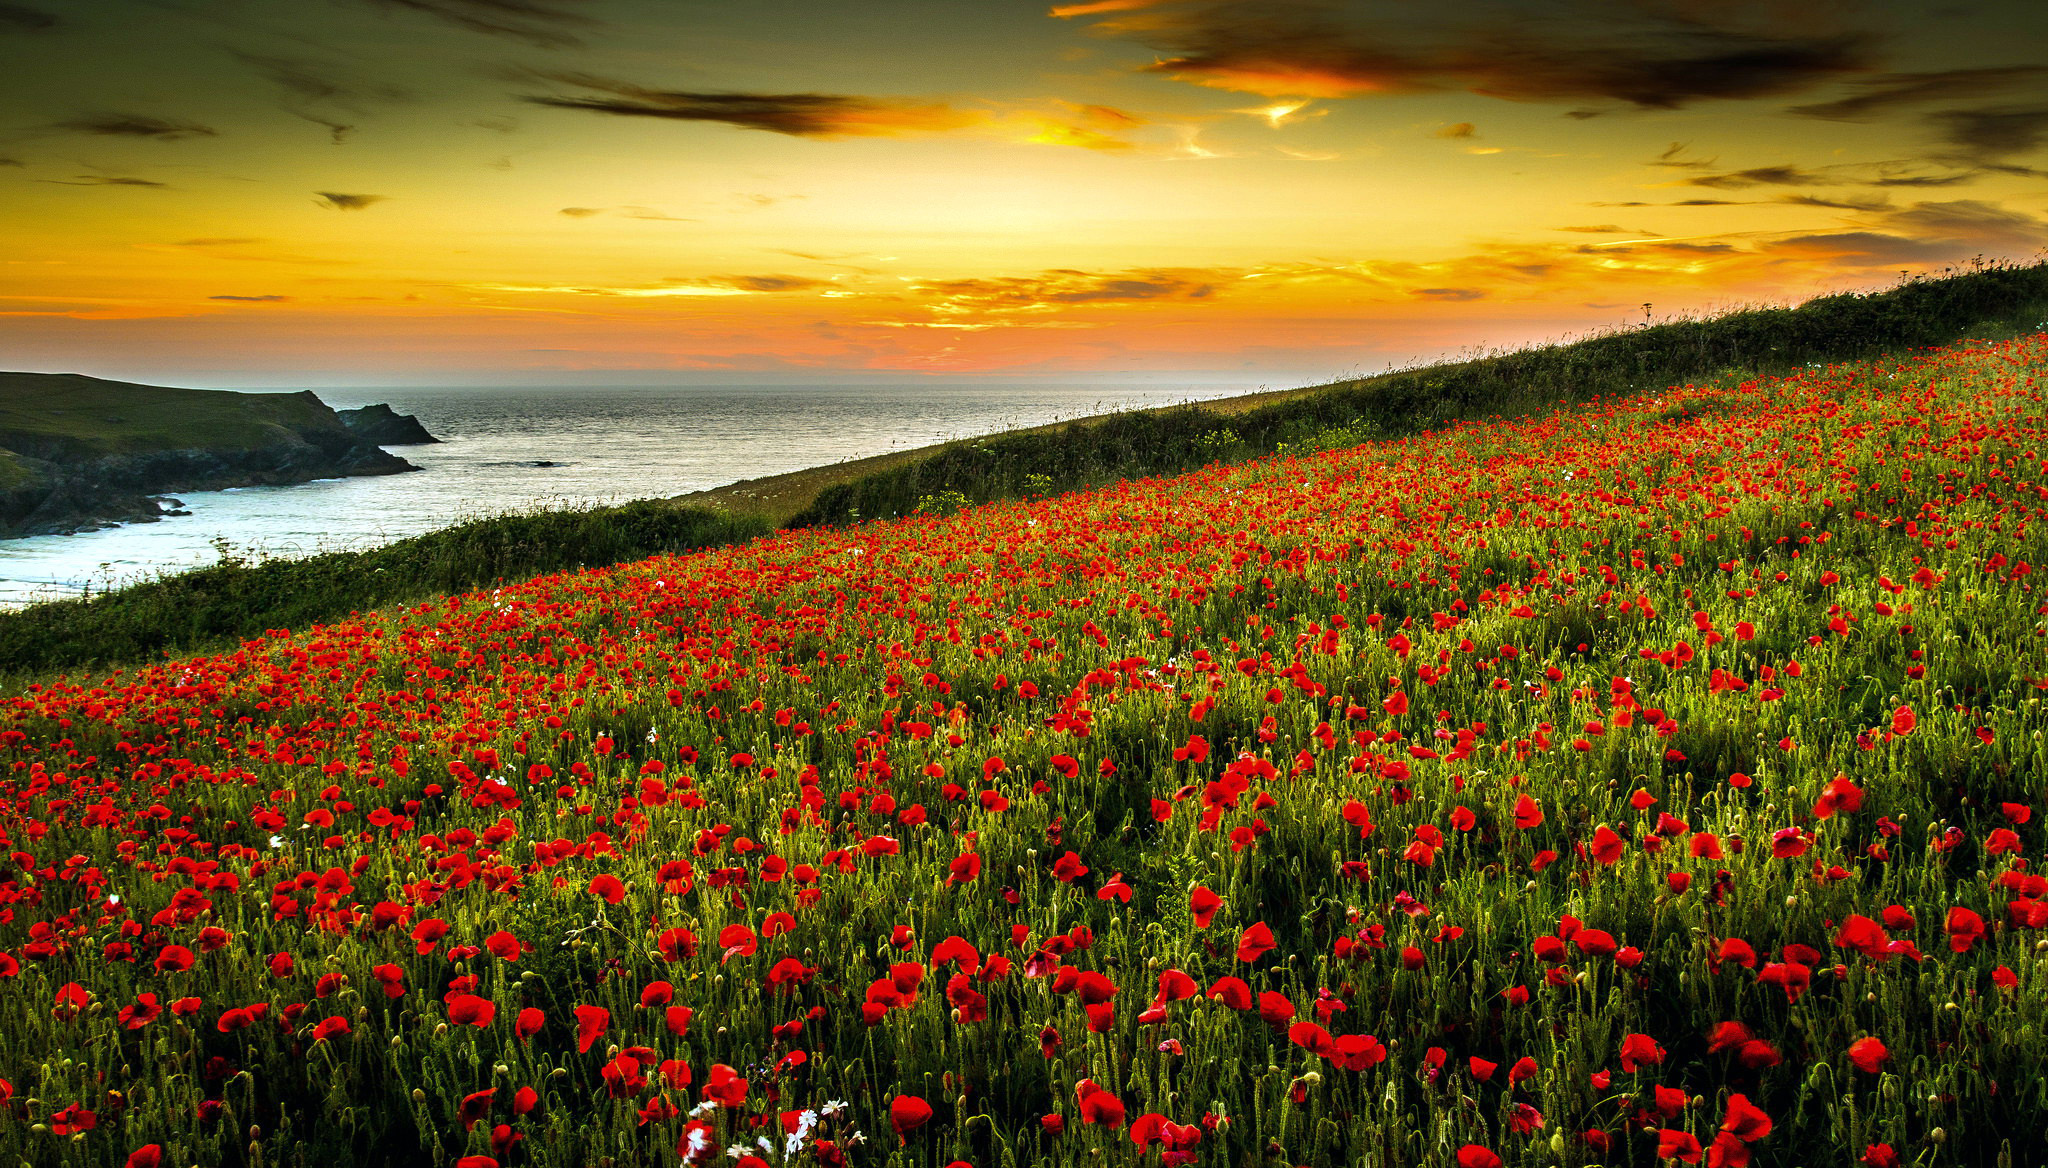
column 1784, row 175
column 1652, row 56
column 1888, row 173
column 803, row 115
column 106, row 180
column 336, row 201
column 836, row 115
column 629, row 211
column 1068, row 286
column 547, row 24
column 1991, row 135
column 119, row 125
column 680, row 286
column 266, row 299
column 325, row 93
column 1887, row 92
column 22, row 18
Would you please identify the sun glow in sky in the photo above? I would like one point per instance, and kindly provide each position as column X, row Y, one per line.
column 256, row 191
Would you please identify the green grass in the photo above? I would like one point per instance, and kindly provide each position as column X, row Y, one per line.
column 817, row 730
column 1996, row 301
column 219, row 606
column 67, row 415
column 238, row 598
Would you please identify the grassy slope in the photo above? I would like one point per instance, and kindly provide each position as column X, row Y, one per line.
column 1736, row 346
column 1542, row 562
column 236, row 599
column 84, row 416
column 218, row 606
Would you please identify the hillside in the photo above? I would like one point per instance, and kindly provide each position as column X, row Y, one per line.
column 221, row 605
column 80, row 452
column 1647, row 781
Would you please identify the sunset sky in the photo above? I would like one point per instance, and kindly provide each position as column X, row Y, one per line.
column 439, row 191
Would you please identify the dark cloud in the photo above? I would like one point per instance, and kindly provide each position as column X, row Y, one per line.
column 335, row 201
column 1883, row 94
column 581, row 212
column 1450, row 294
column 803, row 115
column 1992, row 134
column 1458, row 130
column 22, row 18
column 324, row 93
column 11, row 162
column 547, row 24
column 1647, row 54
column 137, row 126
column 269, row 299
column 1780, row 176
column 106, row 180
column 1597, row 229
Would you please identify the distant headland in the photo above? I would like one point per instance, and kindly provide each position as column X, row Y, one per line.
column 79, row 453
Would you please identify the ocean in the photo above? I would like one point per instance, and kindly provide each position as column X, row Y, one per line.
column 516, row 449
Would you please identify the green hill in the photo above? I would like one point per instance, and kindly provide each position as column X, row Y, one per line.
column 78, row 452
column 236, row 600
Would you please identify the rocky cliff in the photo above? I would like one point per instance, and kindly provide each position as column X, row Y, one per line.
column 380, row 425
column 79, row 453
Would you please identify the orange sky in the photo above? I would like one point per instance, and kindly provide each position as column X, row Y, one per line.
column 430, row 191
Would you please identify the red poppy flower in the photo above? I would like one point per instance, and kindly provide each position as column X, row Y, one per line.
column 1744, row 1120
column 1868, row 1054
column 725, row 1086
column 1964, row 928
column 907, row 1113
column 1098, row 1106
column 1678, row 1145
column 591, row 1021
column 470, row 1010
column 1639, row 1048
column 1255, row 942
column 475, row 1108
column 1232, row 992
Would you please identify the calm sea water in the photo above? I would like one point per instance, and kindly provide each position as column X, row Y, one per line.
column 608, row 445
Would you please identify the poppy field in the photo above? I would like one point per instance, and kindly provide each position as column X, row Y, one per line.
column 1655, row 781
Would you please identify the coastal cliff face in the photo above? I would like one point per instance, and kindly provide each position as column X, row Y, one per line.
column 380, row 425
column 79, row 453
